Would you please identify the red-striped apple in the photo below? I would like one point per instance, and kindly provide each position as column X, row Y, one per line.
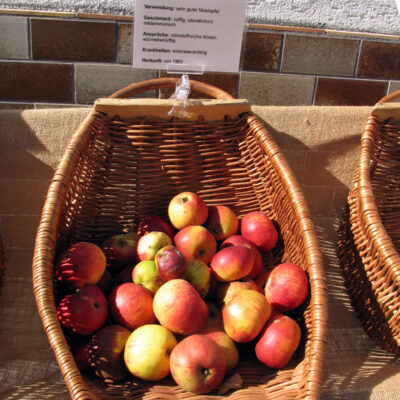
column 245, row 315
column 187, row 208
column 278, row 341
column 232, row 263
column 84, row 311
column 179, row 307
column 287, row 287
column 259, row 229
column 152, row 223
column 258, row 260
column 222, row 221
column 131, row 305
column 196, row 242
column 82, row 263
column 120, row 250
column 198, row 364
column 106, row 352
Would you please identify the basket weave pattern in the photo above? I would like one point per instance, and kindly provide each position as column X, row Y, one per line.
column 114, row 172
column 369, row 234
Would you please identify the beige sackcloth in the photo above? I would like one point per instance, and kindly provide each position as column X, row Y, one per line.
column 321, row 145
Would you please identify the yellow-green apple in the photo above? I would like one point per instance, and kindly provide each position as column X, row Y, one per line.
column 198, row 364
column 196, row 242
column 259, row 229
column 131, row 305
column 123, row 276
column 152, row 223
column 147, row 352
column 214, row 315
column 150, row 243
column 287, row 287
column 278, row 341
column 145, row 273
column 106, row 352
column 245, row 315
column 226, row 290
column 258, row 260
column 222, row 221
column 225, row 342
column 187, row 208
column 84, row 311
column 82, row 263
column 120, row 250
column 232, row 263
column 198, row 274
column 170, row 263
column 179, row 307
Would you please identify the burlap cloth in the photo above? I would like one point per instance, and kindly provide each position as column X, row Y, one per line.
column 322, row 147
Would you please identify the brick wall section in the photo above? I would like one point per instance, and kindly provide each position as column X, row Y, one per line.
column 56, row 59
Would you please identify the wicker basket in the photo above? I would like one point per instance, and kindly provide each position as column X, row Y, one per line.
column 126, row 161
column 369, row 230
column 2, row 264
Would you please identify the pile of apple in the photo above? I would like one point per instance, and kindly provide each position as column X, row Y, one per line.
column 178, row 296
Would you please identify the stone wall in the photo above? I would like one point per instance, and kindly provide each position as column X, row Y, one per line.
column 69, row 58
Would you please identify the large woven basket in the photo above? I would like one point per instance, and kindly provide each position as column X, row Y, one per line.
column 126, row 161
column 369, row 231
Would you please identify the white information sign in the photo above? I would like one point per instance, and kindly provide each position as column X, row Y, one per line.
column 195, row 35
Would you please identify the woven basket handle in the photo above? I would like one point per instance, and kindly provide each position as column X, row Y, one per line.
column 159, row 83
column 390, row 97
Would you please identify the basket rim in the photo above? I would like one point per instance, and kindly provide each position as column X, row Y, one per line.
column 44, row 254
column 364, row 199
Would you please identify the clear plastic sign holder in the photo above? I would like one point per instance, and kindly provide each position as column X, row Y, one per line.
column 182, row 89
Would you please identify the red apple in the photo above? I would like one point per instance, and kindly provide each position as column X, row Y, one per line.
column 106, row 282
column 245, row 315
column 106, row 352
column 287, row 287
column 155, row 223
column 84, row 311
column 198, row 364
column 278, row 341
column 226, row 290
column 232, row 263
column 80, row 351
column 150, row 243
column 258, row 260
column 170, row 263
column 179, row 307
column 131, row 305
column 123, row 276
column 82, row 263
column 259, row 229
column 120, row 250
column 261, row 281
column 196, row 242
column 186, row 209
column 225, row 342
column 221, row 222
